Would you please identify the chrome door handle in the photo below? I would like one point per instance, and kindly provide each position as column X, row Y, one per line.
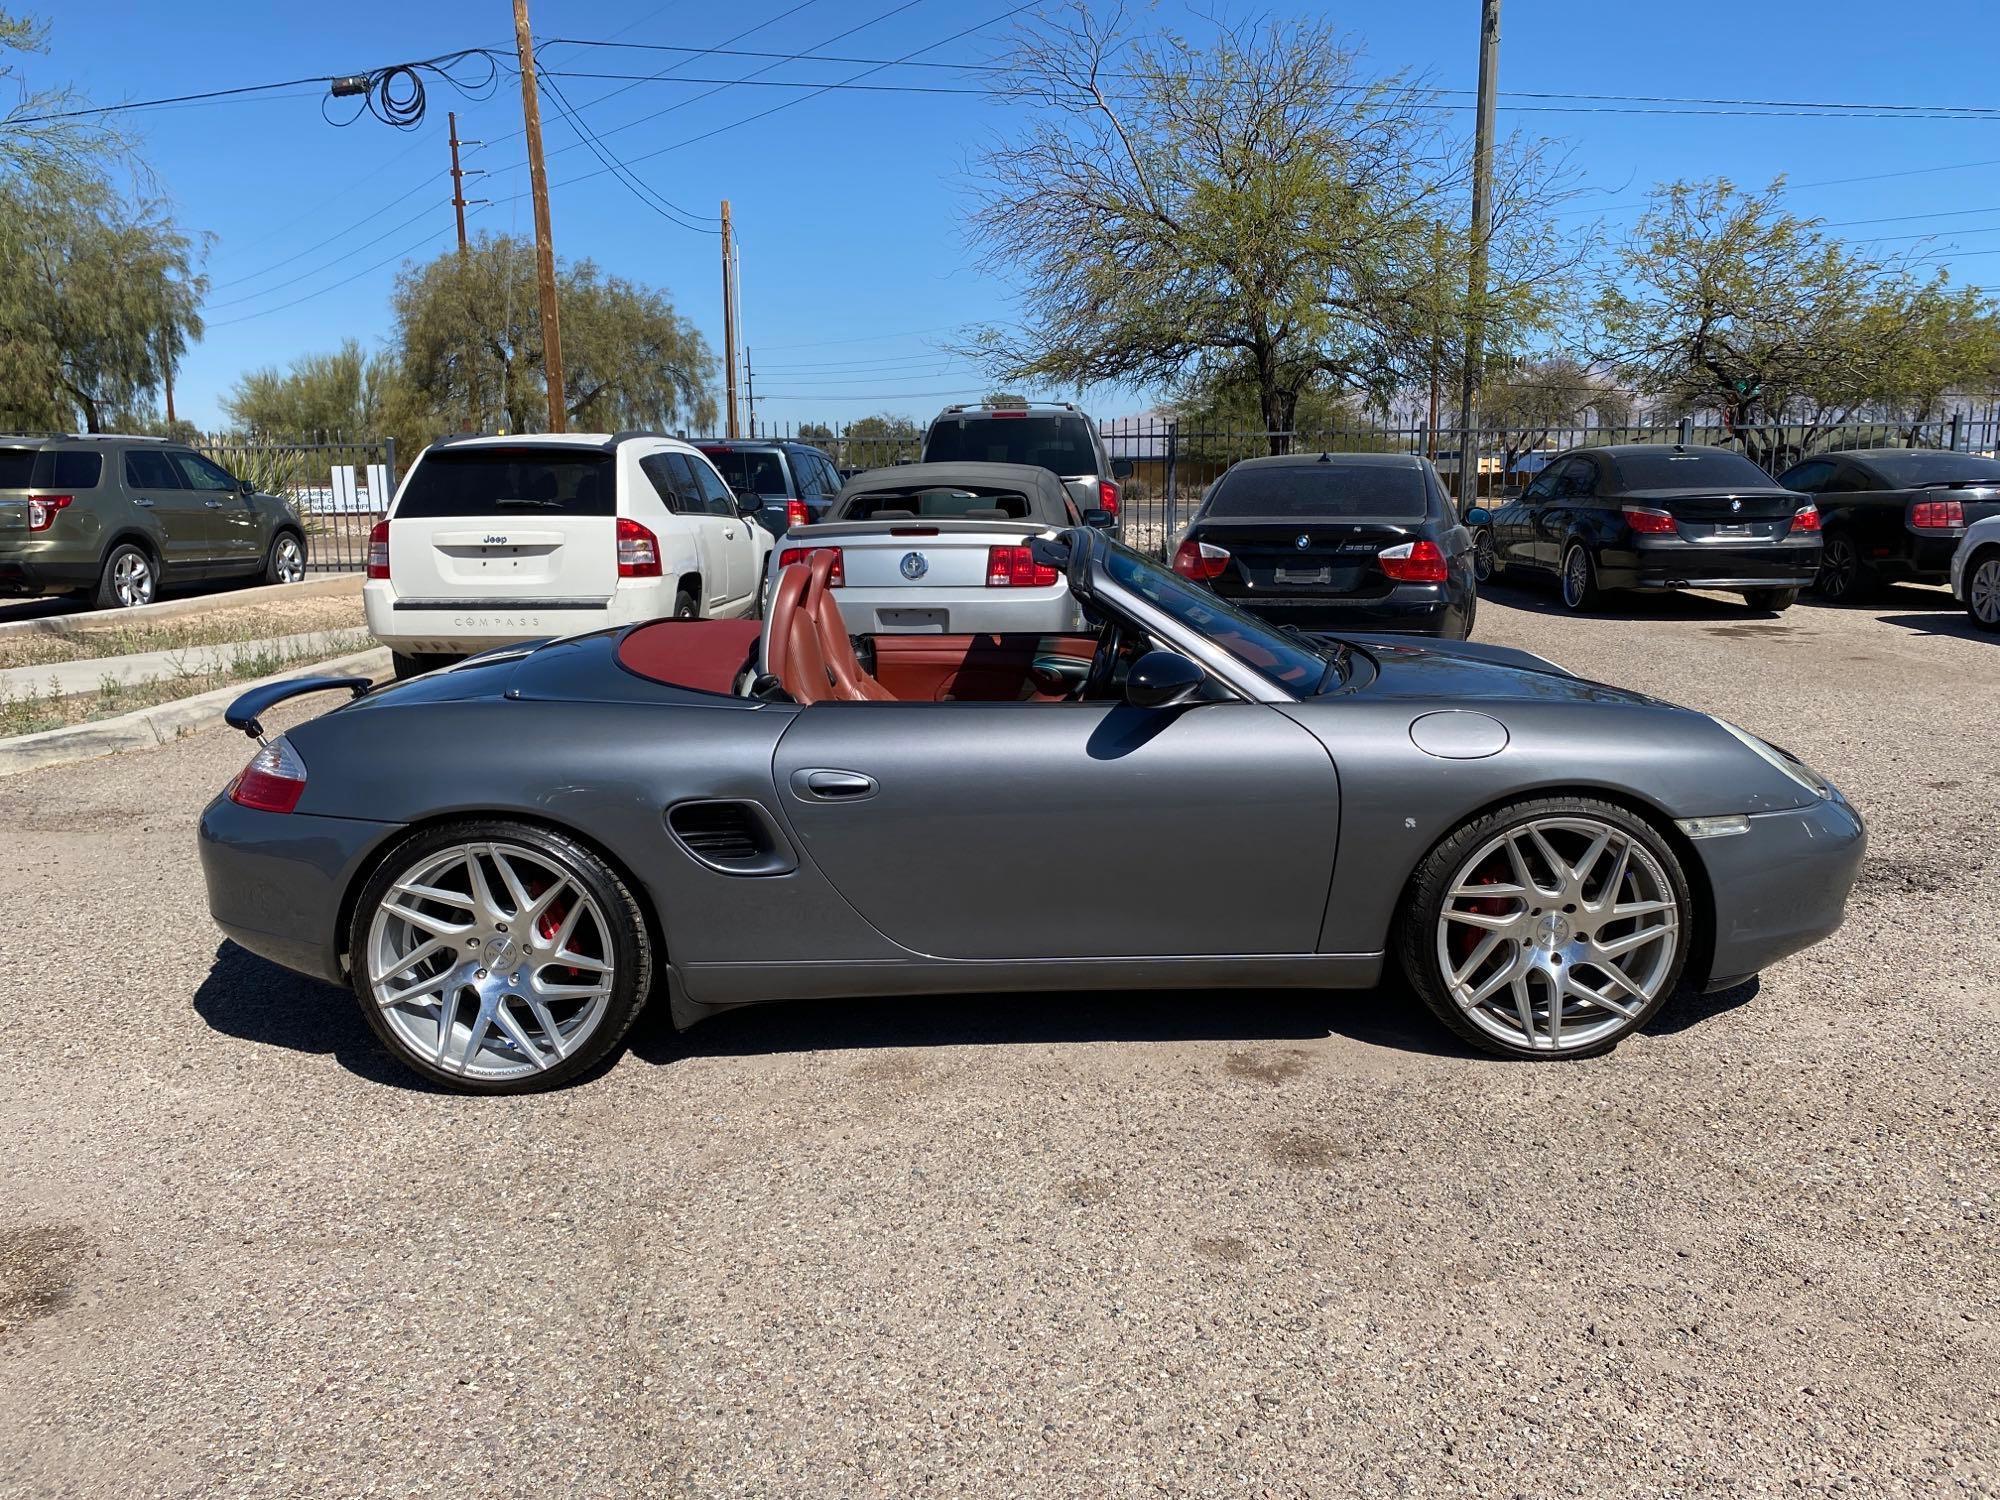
column 213, row 504
column 142, row 500
column 832, row 786
column 729, row 532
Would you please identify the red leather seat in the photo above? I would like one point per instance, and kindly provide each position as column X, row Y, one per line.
column 835, row 645
column 806, row 646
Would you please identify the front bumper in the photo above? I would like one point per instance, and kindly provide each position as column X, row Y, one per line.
column 276, row 880
column 1780, row 887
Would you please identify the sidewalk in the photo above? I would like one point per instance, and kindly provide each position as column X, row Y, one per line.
column 61, row 678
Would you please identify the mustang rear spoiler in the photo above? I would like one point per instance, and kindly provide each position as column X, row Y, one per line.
column 242, row 714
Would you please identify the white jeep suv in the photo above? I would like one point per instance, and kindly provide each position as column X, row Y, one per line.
column 493, row 540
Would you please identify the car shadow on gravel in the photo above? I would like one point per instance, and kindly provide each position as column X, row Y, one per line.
column 1953, row 622
column 1623, row 604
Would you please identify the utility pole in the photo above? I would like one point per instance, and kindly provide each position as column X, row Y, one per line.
column 457, row 180
column 1482, row 225
column 1437, row 330
column 729, row 316
column 750, row 389
column 545, row 250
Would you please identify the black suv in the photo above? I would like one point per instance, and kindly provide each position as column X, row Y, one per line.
column 116, row 519
column 795, row 481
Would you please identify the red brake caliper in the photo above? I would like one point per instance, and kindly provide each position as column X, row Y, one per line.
column 548, row 924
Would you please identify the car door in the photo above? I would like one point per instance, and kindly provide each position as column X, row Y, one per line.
column 1514, row 527
column 186, row 525
column 232, row 518
column 1575, row 489
column 673, row 480
column 1067, row 830
column 736, row 544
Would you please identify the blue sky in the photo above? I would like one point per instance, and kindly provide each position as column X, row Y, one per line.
column 849, row 205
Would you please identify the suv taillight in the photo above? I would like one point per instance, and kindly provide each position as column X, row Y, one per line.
column 274, row 780
column 1016, row 568
column 378, row 550
column 1649, row 522
column 804, row 555
column 42, row 510
column 638, row 550
column 1107, row 498
column 1937, row 515
column 1414, row 562
column 1204, row 562
column 796, row 514
column 1806, row 518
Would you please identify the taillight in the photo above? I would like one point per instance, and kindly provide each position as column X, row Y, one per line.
column 796, row 514
column 804, row 555
column 1806, row 518
column 1107, row 497
column 274, row 780
column 1201, row 561
column 1016, row 568
column 1937, row 515
column 638, row 550
column 42, row 510
column 1648, row 522
column 378, row 550
column 1413, row 562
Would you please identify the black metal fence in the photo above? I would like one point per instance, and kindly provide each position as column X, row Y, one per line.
column 340, row 486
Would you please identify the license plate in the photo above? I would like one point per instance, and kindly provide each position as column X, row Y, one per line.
column 1304, row 575
column 1736, row 528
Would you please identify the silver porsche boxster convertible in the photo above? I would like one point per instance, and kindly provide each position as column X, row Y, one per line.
column 508, row 858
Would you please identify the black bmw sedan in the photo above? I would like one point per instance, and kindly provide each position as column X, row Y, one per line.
column 1655, row 516
column 1334, row 542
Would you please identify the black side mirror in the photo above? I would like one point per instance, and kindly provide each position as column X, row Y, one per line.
column 246, row 486
column 1121, row 468
column 1160, row 678
column 1103, row 520
column 748, row 503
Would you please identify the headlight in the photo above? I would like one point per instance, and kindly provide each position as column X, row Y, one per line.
column 1781, row 760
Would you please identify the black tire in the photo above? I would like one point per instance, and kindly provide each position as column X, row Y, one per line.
column 130, row 578
column 1577, row 585
column 685, row 606
column 416, row 665
column 1843, row 578
column 1486, row 563
column 764, row 595
column 627, row 929
column 1982, row 588
column 1416, row 939
column 283, row 566
column 1771, row 601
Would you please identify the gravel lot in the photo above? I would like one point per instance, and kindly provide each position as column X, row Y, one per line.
column 1184, row 1245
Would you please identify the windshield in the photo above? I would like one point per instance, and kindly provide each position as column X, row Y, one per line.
column 1687, row 469
column 1059, row 444
column 489, row 481
column 754, row 473
column 1320, row 489
column 1910, row 470
column 1291, row 661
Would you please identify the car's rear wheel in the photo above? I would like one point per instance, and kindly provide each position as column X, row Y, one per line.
column 129, row 578
column 1579, row 579
column 497, row 957
column 685, row 607
column 1982, row 590
column 1549, row 928
column 404, row 664
column 287, row 560
column 1843, row 577
column 1771, row 601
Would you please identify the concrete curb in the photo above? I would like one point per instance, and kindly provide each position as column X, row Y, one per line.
column 67, row 677
column 80, row 620
column 164, row 723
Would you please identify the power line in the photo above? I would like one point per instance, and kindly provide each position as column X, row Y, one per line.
column 337, row 260
column 406, row 251
column 868, row 338
column 672, row 212
column 1796, row 187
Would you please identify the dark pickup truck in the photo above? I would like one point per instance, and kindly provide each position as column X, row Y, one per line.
column 1892, row 514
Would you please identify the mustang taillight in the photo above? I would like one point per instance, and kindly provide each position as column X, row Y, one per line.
column 1016, row 568
column 796, row 514
column 1414, row 562
column 804, row 555
column 1649, row 522
column 638, row 550
column 1201, row 561
column 1937, row 515
column 378, row 550
column 42, row 510
column 274, row 780
column 1806, row 518
column 1107, row 497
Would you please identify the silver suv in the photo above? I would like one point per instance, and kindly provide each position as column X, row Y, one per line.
column 1052, row 435
column 115, row 519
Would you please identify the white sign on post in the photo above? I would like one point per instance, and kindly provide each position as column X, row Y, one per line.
column 344, row 498
column 378, row 487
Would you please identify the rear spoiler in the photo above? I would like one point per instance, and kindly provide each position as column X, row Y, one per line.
column 242, row 714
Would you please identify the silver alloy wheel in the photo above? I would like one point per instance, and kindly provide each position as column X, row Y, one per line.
column 1576, row 577
column 1482, row 556
column 132, row 579
column 1982, row 593
column 1558, row 934
column 490, row 960
column 291, row 562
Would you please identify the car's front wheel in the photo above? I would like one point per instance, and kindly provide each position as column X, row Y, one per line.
column 1843, row 577
column 497, row 957
column 286, row 562
column 1485, row 560
column 1549, row 928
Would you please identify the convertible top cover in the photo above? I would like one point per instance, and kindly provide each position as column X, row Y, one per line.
column 1048, row 501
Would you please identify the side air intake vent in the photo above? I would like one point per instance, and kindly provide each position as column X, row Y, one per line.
column 736, row 838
